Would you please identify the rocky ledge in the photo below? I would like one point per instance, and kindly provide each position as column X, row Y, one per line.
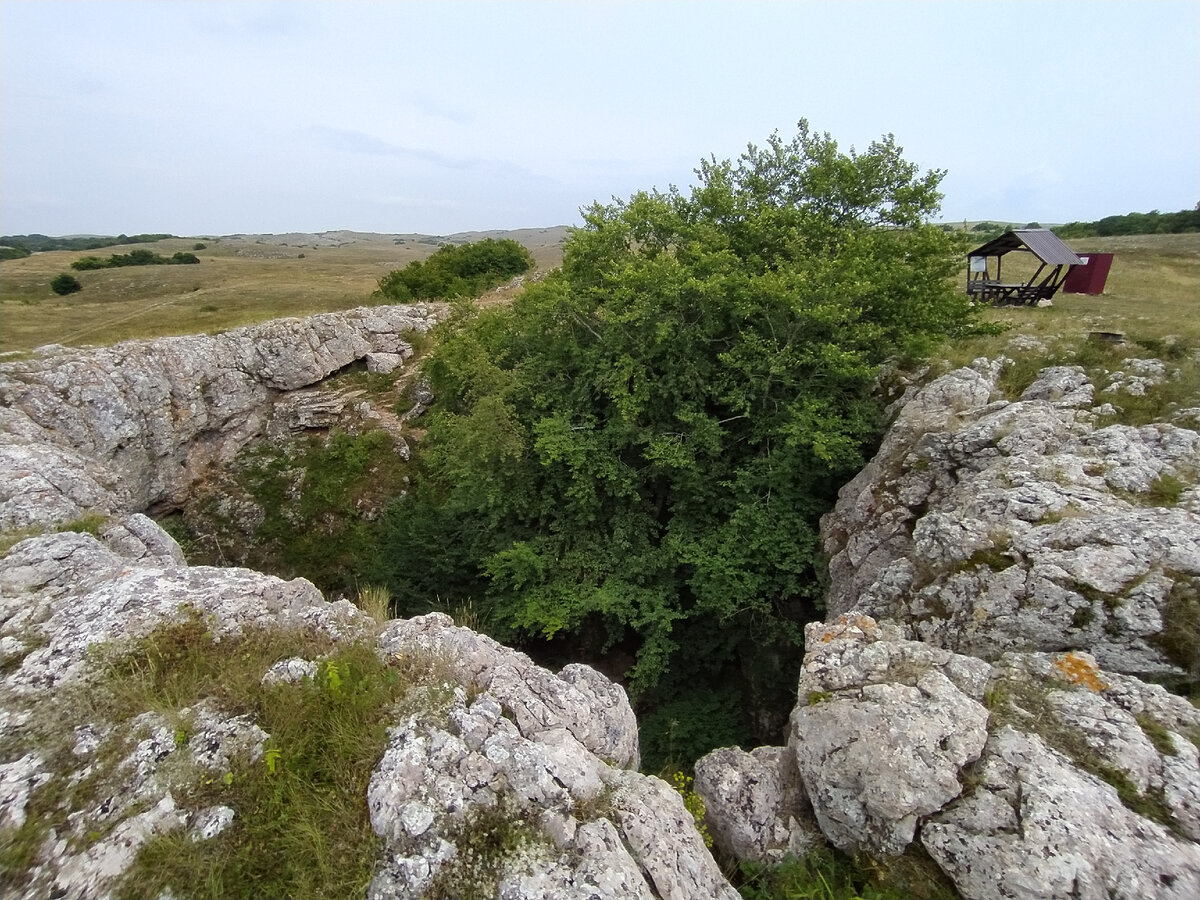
column 1004, row 576
column 483, row 730
column 126, row 428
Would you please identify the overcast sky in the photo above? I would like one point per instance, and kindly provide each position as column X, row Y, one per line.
column 214, row 118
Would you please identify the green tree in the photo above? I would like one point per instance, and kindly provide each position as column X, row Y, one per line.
column 457, row 271
column 635, row 455
column 65, row 284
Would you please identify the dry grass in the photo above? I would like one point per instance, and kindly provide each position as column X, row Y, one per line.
column 1153, row 291
column 239, row 281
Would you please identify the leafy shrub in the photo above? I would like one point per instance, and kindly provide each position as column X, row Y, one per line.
column 457, row 271
column 638, row 450
column 65, row 284
column 137, row 257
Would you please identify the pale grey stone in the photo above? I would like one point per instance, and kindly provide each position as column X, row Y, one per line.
column 210, row 822
column 755, row 804
column 1037, row 827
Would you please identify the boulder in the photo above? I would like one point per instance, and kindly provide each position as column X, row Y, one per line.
column 881, row 731
column 986, row 526
column 1037, row 827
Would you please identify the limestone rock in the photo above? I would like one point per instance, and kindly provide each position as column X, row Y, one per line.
column 1037, row 827
column 70, row 592
column 882, row 732
column 593, row 709
column 120, row 429
column 584, row 828
column 985, row 526
column 756, row 808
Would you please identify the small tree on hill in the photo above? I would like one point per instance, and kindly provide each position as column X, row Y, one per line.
column 65, row 284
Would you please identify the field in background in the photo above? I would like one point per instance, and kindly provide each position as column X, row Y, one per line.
column 1153, row 289
column 240, row 280
column 1153, row 292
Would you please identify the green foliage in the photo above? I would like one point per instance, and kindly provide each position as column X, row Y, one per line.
column 65, row 284
column 313, row 495
column 642, row 445
column 1153, row 222
column 680, row 728
column 134, row 258
column 829, row 875
column 199, row 246
column 13, row 253
column 37, row 243
column 1179, row 639
column 457, row 271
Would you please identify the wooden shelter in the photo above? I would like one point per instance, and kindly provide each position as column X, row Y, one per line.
column 1056, row 260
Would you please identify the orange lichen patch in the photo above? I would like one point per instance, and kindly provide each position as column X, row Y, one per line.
column 1080, row 669
column 844, row 627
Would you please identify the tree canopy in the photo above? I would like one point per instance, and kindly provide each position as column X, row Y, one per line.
column 457, row 271
column 634, row 455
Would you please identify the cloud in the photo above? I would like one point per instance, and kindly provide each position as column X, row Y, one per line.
column 349, row 140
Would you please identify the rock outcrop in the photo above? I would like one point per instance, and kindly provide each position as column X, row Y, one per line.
column 1001, row 575
column 553, row 753
column 122, row 429
column 1006, row 574
column 986, row 526
column 486, row 740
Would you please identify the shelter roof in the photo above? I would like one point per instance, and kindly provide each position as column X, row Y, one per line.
column 1041, row 242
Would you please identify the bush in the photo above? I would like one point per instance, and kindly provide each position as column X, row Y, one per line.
column 137, row 257
column 65, row 284
column 636, row 453
column 465, row 271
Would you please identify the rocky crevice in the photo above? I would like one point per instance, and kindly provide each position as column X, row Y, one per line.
column 1004, row 575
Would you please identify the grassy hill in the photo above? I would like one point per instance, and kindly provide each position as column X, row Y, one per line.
column 1153, row 289
column 241, row 279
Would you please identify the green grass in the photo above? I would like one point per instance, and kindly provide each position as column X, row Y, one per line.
column 1153, row 292
column 301, row 826
column 830, row 875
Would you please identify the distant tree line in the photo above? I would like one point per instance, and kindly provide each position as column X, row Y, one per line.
column 1153, row 222
column 452, row 271
column 36, row 243
column 134, row 258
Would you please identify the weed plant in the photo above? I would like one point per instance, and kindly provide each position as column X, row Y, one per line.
column 301, row 825
column 489, row 840
column 826, row 874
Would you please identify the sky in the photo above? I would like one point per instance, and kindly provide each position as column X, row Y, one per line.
column 210, row 118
